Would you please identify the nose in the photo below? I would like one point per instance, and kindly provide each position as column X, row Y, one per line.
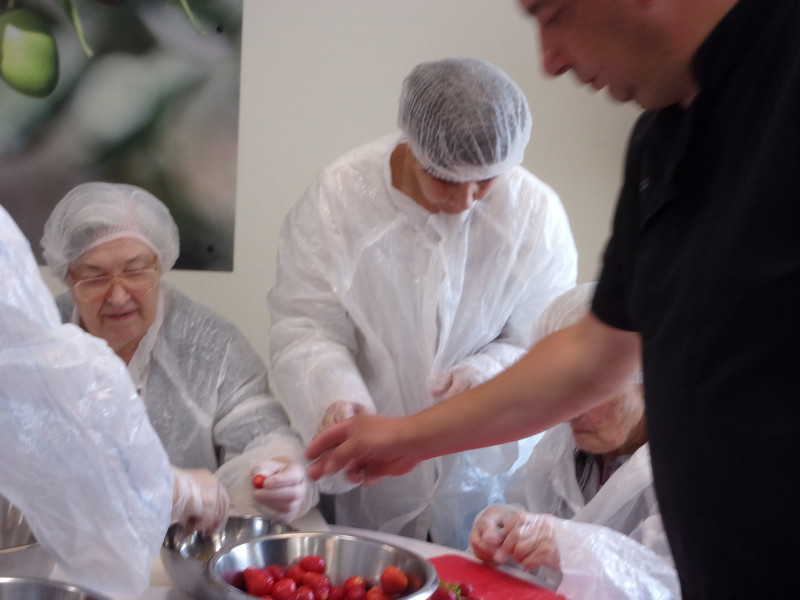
column 464, row 195
column 554, row 60
column 118, row 293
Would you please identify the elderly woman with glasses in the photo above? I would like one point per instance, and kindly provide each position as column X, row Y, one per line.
column 205, row 388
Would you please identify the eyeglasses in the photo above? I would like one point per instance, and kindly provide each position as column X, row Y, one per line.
column 97, row 288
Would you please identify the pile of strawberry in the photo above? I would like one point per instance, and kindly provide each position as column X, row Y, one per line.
column 305, row 579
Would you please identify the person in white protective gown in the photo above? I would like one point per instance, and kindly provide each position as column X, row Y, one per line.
column 584, row 505
column 205, row 388
column 79, row 456
column 413, row 268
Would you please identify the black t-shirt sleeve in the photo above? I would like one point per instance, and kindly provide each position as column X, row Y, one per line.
column 611, row 298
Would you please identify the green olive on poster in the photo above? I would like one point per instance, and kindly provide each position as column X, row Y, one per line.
column 28, row 53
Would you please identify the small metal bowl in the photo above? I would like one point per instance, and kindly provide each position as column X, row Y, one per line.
column 20, row 554
column 185, row 550
column 345, row 556
column 34, row 588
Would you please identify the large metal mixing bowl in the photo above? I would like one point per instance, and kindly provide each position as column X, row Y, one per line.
column 184, row 551
column 34, row 588
column 20, row 554
column 345, row 555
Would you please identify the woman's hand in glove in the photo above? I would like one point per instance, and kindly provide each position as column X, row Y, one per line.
column 339, row 411
column 458, row 380
column 501, row 531
column 285, row 487
column 198, row 499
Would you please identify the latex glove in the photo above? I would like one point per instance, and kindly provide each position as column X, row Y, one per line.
column 501, row 531
column 198, row 499
column 285, row 488
column 460, row 379
column 341, row 410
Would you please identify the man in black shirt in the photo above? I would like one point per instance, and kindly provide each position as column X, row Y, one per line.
column 701, row 275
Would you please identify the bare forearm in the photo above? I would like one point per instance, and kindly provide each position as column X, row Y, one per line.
column 560, row 377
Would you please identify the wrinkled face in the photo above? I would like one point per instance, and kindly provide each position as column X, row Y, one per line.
column 446, row 196
column 121, row 315
column 610, row 428
column 621, row 45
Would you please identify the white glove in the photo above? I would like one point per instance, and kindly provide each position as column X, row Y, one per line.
column 286, row 489
column 460, row 379
column 501, row 531
column 198, row 499
column 339, row 411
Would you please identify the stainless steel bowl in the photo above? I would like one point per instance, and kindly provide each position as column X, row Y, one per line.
column 20, row 554
column 345, row 555
column 34, row 588
column 185, row 550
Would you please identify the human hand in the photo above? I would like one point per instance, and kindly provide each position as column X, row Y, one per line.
column 198, row 499
column 501, row 531
column 366, row 447
column 458, row 380
column 339, row 411
column 284, row 488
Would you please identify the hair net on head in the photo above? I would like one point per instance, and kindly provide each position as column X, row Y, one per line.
column 98, row 212
column 464, row 118
column 567, row 309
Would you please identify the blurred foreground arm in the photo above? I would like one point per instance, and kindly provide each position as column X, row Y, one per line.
column 563, row 375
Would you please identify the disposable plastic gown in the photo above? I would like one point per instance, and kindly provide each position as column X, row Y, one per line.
column 79, row 457
column 377, row 300
column 207, row 395
column 595, row 559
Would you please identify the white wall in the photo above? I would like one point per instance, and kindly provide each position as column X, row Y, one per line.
column 320, row 77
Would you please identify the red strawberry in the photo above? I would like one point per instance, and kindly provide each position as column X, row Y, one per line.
column 297, row 573
column 393, row 580
column 356, row 581
column 278, row 572
column 336, row 593
column 319, row 583
column 284, row 589
column 258, row 582
column 304, row 593
column 258, row 481
column 313, row 562
column 377, row 593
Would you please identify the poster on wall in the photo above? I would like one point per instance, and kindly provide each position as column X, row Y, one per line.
column 144, row 92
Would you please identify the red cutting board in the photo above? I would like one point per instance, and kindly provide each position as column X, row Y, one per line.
column 489, row 583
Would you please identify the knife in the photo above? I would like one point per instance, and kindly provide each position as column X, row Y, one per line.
column 544, row 576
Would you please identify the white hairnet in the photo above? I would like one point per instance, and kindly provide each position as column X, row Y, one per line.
column 567, row 309
column 97, row 212
column 464, row 118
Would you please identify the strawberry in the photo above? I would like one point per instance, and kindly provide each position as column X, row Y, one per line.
column 314, row 563
column 336, row 593
column 284, row 589
column 377, row 593
column 393, row 580
column 356, row 581
column 304, row 593
column 258, row 481
column 258, row 582
column 319, row 583
column 297, row 573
